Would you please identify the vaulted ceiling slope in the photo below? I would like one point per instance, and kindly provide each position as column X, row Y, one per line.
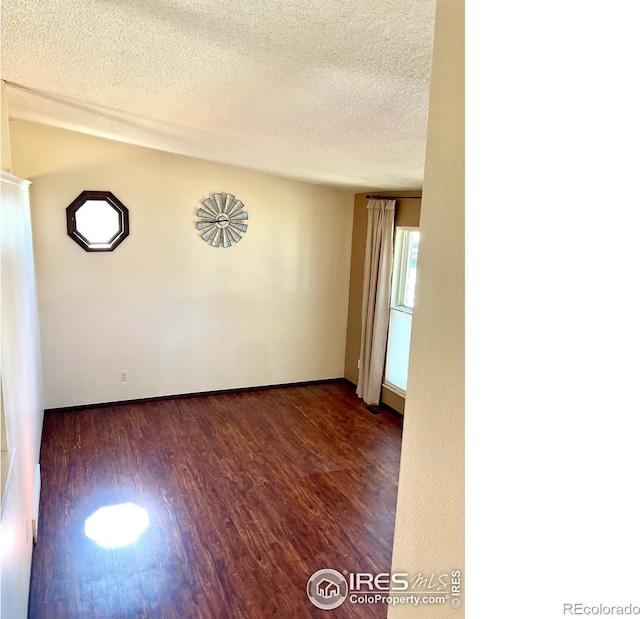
column 327, row 91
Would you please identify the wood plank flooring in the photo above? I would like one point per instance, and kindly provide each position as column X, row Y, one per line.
column 247, row 495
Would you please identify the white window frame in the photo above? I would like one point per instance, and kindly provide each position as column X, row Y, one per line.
column 401, row 257
column 400, row 268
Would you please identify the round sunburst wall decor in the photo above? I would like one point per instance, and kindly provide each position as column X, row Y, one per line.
column 223, row 220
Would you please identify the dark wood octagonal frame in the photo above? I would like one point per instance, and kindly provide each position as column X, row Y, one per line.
column 123, row 218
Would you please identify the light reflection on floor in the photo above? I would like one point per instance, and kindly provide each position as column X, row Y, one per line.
column 116, row 526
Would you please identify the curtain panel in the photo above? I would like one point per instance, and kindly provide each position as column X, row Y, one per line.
column 376, row 296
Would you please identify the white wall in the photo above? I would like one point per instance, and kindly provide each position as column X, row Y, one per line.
column 429, row 534
column 21, row 393
column 180, row 316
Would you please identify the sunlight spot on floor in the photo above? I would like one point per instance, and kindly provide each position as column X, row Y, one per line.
column 116, row 526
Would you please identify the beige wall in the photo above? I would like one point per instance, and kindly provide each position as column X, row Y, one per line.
column 178, row 315
column 407, row 214
column 21, row 394
column 429, row 534
column 5, row 158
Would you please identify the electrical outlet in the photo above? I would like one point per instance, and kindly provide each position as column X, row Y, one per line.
column 124, row 377
column 358, row 363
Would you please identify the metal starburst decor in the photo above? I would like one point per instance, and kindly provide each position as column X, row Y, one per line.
column 223, row 220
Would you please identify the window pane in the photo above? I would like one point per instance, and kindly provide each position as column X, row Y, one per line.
column 412, row 262
column 397, row 365
column 97, row 221
column 403, row 297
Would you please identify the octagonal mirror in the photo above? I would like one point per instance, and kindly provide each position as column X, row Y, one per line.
column 97, row 221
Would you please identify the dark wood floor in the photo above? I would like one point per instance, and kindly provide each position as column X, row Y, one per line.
column 247, row 494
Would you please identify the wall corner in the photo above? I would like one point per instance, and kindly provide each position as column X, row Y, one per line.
column 5, row 156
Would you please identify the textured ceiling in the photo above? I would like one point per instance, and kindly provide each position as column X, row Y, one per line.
column 327, row 91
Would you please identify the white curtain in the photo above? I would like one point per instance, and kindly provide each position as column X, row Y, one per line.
column 376, row 295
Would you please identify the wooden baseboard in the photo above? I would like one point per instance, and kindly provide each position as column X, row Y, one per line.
column 197, row 394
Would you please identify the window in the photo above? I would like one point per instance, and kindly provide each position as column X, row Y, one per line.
column 405, row 269
column 97, row 221
column 403, row 290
